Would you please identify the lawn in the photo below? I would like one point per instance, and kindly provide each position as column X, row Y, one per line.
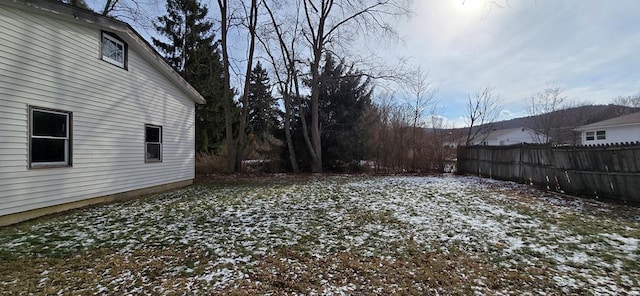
column 330, row 236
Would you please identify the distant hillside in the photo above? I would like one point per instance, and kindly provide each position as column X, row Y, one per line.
column 574, row 117
column 582, row 115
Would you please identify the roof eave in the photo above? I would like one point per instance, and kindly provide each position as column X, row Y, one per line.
column 590, row 127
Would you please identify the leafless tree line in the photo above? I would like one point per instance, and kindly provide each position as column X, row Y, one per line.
column 408, row 136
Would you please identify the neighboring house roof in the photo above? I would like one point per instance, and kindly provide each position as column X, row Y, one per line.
column 124, row 30
column 629, row 119
column 496, row 134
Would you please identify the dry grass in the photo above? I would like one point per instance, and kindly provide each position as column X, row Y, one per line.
column 313, row 235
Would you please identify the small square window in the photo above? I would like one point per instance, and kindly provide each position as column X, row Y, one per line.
column 153, row 143
column 49, row 137
column 601, row 135
column 114, row 50
column 589, row 136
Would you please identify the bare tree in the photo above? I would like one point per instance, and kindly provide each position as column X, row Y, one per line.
column 285, row 33
column 227, row 99
column 483, row 109
column 628, row 101
column 252, row 19
column 326, row 21
column 390, row 137
column 136, row 11
column 544, row 107
column 422, row 99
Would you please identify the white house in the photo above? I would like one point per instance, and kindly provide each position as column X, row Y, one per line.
column 89, row 112
column 621, row 129
column 505, row 137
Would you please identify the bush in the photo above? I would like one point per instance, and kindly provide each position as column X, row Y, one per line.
column 209, row 163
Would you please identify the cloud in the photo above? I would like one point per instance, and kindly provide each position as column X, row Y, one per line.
column 587, row 46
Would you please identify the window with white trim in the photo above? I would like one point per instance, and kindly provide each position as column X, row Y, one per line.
column 590, row 136
column 114, row 50
column 601, row 135
column 153, row 143
column 49, row 137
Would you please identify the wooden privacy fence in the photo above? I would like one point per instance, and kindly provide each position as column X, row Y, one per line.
column 611, row 172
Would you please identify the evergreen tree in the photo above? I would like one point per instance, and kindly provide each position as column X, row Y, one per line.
column 192, row 52
column 344, row 98
column 189, row 34
column 263, row 107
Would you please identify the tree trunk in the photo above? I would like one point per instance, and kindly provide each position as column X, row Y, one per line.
column 287, row 86
column 305, row 127
column 316, row 145
column 240, row 143
column 318, row 49
column 228, row 98
column 287, row 133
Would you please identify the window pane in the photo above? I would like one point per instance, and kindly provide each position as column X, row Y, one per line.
column 48, row 150
column 49, row 124
column 152, row 134
column 601, row 135
column 112, row 50
column 153, row 151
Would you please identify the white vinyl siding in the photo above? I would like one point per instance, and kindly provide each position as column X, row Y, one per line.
column 612, row 135
column 507, row 137
column 52, row 63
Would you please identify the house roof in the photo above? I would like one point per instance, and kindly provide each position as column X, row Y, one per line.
column 629, row 119
column 497, row 134
column 125, row 31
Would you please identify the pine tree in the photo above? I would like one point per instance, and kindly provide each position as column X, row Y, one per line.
column 188, row 33
column 344, row 98
column 263, row 107
column 192, row 52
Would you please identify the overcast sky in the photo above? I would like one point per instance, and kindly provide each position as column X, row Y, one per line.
column 589, row 48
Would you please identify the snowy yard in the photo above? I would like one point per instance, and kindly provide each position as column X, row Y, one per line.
column 331, row 236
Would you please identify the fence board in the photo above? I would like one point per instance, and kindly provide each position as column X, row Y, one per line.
column 611, row 172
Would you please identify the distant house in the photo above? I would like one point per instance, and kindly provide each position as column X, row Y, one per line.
column 89, row 112
column 506, row 137
column 621, row 129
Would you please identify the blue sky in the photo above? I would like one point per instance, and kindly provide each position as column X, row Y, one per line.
column 589, row 48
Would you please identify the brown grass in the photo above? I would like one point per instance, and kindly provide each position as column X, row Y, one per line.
column 407, row 263
column 417, row 272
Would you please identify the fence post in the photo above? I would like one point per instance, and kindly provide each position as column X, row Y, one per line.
column 520, row 177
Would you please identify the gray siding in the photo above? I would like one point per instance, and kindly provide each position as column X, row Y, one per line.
column 53, row 63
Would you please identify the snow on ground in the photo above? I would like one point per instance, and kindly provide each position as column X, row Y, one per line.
column 582, row 245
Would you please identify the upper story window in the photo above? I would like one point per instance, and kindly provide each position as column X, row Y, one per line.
column 114, row 50
column 589, row 136
column 49, row 137
column 601, row 135
column 153, row 143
